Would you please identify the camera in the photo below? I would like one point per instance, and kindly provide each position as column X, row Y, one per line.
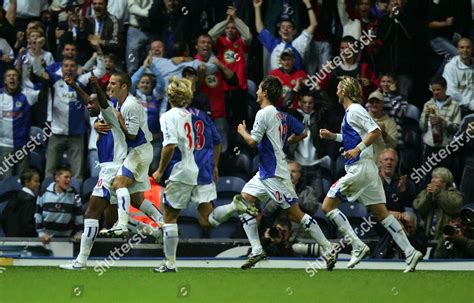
column 464, row 226
column 275, row 232
column 451, row 229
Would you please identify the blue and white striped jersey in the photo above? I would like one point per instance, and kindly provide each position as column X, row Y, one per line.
column 15, row 117
column 111, row 147
column 66, row 111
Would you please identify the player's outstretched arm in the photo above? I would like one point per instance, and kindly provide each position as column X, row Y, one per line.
column 242, row 130
column 297, row 138
column 328, row 135
column 100, row 92
column 72, row 83
column 166, row 155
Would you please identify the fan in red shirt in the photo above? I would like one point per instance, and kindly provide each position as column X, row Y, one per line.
column 232, row 38
column 288, row 75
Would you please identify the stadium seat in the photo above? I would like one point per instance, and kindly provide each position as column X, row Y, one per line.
column 229, row 185
column 10, row 185
column 353, row 210
column 236, row 162
column 412, row 112
column 255, row 164
column 87, row 188
column 190, row 211
column 39, row 134
column 340, row 167
column 327, row 166
column 224, row 231
column 189, row 229
column 48, row 180
column 327, row 182
column 37, row 161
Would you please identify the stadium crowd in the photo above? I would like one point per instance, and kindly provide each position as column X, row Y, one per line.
column 413, row 60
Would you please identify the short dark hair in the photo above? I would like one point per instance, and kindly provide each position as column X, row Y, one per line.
column 124, row 78
column 348, row 39
column 68, row 43
column 27, row 175
column 60, row 169
column 439, row 80
column 179, row 49
column 389, row 74
column 286, row 20
column 151, row 77
column 272, row 87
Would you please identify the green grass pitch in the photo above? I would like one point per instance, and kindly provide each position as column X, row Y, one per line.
column 48, row 284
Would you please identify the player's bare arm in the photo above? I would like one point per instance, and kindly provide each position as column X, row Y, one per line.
column 368, row 140
column 242, row 130
column 166, row 155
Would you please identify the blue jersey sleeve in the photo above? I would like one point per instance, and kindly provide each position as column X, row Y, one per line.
column 294, row 125
column 216, row 137
column 268, row 40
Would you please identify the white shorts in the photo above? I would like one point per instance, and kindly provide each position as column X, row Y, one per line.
column 204, row 193
column 361, row 182
column 278, row 189
column 136, row 167
column 177, row 195
column 104, row 188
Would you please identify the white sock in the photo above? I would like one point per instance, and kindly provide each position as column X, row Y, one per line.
column 251, row 229
column 221, row 214
column 152, row 211
column 91, row 228
column 143, row 229
column 311, row 225
column 344, row 227
column 123, row 206
column 398, row 234
column 170, row 242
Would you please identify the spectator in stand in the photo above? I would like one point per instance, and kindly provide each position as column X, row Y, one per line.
column 200, row 99
column 139, row 33
column 438, row 203
column 19, row 214
column 67, row 117
column 387, row 125
column 104, row 30
column 58, row 209
column 459, row 74
column 277, row 240
column 232, row 49
column 15, row 103
column 34, row 58
column 68, row 51
column 393, row 103
column 289, row 75
column 439, row 121
column 212, row 85
column 396, row 54
column 350, row 66
column 287, row 32
column 399, row 189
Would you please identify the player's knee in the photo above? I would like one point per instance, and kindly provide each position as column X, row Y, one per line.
column 327, row 206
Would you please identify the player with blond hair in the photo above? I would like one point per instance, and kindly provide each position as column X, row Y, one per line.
column 362, row 181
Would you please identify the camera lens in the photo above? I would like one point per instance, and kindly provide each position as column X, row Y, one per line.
column 274, row 232
column 449, row 230
column 467, row 215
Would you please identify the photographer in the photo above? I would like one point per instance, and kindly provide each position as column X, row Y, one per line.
column 438, row 203
column 457, row 241
column 276, row 239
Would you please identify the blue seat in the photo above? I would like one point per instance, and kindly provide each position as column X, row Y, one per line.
column 48, row 180
column 190, row 230
column 353, row 210
column 229, row 185
column 327, row 166
column 340, row 167
column 9, row 185
column 88, row 187
column 224, row 231
column 327, row 182
column 189, row 212
column 37, row 161
column 40, row 135
column 413, row 112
